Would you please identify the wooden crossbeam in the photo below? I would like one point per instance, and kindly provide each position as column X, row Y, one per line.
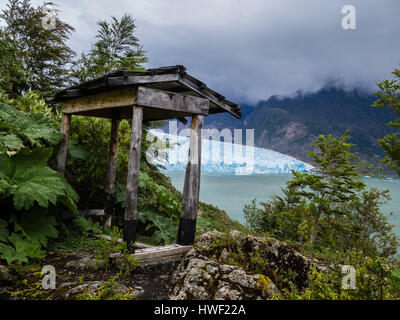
column 123, row 99
column 160, row 99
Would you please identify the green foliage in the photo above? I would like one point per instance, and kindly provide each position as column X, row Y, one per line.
column 24, row 153
column 165, row 200
column 36, row 225
column 35, row 58
column 375, row 280
column 27, row 180
column 25, row 236
column 76, row 151
column 105, row 247
column 11, row 70
column 335, row 182
column 395, row 279
column 3, row 231
column 162, row 218
column 107, row 291
column 203, row 223
column 71, row 239
column 116, row 49
column 85, row 226
column 25, row 177
column 31, row 102
column 328, row 208
column 162, row 228
column 20, row 129
column 375, row 235
column 389, row 96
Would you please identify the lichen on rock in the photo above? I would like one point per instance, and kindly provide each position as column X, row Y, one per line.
column 235, row 266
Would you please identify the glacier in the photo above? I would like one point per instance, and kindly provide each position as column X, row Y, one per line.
column 218, row 157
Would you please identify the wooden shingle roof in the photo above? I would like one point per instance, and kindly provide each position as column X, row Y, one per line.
column 170, row 79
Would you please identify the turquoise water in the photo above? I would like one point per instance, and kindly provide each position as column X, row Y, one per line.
column 231, row 193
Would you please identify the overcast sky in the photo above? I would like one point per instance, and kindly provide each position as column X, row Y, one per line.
column 252, row 49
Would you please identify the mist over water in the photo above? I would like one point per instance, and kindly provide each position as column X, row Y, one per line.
column 231, row 193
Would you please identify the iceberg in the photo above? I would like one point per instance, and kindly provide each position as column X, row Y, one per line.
column 220, row 158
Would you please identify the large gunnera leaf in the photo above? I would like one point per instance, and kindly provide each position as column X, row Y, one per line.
column 36, row 225
column 27, row 179
column 20, row 249
column 30, row 129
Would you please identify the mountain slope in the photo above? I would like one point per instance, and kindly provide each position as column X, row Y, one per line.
column 290, row 125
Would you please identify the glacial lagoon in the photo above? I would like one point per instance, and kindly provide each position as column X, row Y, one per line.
column 231, row 193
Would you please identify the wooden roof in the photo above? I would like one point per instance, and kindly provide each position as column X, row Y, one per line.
column 173, row 79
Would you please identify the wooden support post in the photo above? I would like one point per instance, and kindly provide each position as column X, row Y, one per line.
column 63, row 150
column 111, row 169
column 191, row 189
column 133, row 178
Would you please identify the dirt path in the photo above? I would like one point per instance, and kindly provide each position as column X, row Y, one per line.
column 76, row 273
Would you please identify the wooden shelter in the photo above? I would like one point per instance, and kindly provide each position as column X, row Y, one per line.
column 154, row 94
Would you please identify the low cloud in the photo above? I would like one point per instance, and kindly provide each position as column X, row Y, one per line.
column 251, row 49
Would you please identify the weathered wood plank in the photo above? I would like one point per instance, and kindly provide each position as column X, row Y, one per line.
column 111, row 99
column 112, row 164
column 160, row 253
column 133, row 178
column 191, row 189
column 171, row 101
column 63, row 150
column 132, row 80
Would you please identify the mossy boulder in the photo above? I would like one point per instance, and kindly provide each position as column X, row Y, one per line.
column 237, row 266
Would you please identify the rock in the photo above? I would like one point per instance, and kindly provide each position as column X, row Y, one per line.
column 81, row 261
column 4, row 273
column 137, row 292
column 205, row 279
column 206, row 274
column 92, row 288
column 89, row 287
column 224, row 255
column 66, row 285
